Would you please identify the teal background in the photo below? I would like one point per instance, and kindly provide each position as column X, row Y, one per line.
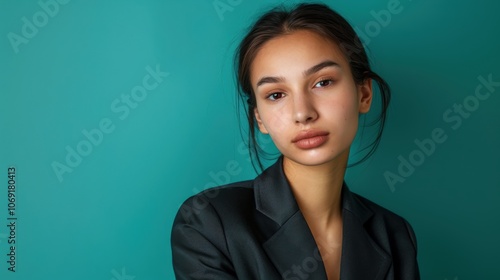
column 110, row 218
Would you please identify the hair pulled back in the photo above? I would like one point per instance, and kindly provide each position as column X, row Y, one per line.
column 324, row 21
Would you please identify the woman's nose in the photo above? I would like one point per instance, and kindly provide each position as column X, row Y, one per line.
column 304, row 110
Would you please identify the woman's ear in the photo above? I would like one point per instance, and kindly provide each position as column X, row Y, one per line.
column 365, row 95
column 262, row 128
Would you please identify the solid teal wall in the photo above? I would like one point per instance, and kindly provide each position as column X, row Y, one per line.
column 69, row 70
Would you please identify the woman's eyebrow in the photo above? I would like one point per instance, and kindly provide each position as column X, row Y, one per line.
column 319, row 66
column 308, row 72
column 270, row 80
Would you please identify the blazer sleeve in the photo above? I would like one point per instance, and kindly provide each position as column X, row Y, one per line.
column 412, row 270
column 198, row 242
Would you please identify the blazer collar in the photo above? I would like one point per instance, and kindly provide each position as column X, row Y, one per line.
column 290, row 245
column 362, row 257
column 273, row 196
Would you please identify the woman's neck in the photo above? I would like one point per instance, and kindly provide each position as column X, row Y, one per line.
column 317, row 189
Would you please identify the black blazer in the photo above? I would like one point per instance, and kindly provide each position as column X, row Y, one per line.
column 255, row 230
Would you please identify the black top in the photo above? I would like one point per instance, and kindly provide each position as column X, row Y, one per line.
column 255, row 230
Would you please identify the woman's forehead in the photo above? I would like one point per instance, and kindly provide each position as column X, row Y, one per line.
column 296, row 51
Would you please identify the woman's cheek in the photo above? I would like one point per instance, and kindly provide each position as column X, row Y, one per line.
column 277, row 120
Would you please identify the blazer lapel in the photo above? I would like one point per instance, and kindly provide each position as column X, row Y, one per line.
column 290, row 245
column 288, row 240
column 362, row 258
column 293, row 251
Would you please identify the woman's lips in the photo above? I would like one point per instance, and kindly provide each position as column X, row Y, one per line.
column 310, row 139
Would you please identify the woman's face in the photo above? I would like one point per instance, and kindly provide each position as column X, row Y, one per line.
column 307, row 99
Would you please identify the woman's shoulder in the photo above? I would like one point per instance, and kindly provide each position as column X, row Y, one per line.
column 234, row 199
column 377, row 209
column 225, row 194
column 198, row 236
column 394, row 225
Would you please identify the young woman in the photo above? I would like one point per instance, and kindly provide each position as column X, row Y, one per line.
column 306, row 78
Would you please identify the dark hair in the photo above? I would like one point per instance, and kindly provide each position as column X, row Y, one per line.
column 322, row 20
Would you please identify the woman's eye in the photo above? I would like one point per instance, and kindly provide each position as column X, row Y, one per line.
column 323, row 83
column 275, row 96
